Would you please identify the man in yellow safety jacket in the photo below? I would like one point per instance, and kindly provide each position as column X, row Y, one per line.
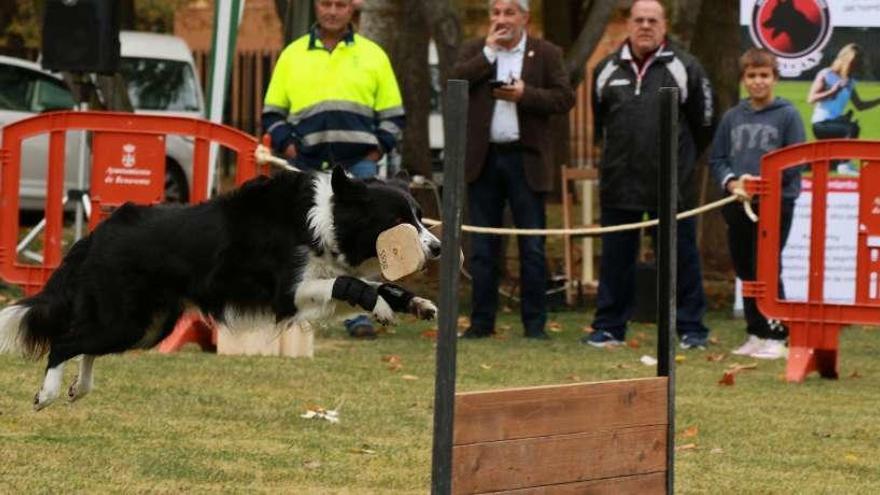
column 333, row 98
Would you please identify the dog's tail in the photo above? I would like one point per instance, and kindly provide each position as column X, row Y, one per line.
column 28, row 326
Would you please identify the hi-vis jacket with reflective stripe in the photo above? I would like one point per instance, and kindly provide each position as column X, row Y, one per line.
column 335, row 107
column 626, row 109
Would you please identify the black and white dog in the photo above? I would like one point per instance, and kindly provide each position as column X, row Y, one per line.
column 289, row 248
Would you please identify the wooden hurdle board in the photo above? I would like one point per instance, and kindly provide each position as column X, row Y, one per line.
column 597, row 438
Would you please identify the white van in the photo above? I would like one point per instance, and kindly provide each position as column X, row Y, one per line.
column 161, row 79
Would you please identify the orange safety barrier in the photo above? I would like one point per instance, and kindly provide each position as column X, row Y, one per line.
column 127, row 164
column 814, row 325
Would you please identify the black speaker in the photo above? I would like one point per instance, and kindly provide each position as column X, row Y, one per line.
column 81, row 36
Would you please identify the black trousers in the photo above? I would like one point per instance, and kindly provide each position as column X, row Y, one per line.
column 742, row 240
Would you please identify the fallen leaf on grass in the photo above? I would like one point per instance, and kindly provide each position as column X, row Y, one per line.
column 633, row 343
column 728, row 379
column 687, row 446
column 573, row 378
column 648, row 360
column 855, row 374
column 430, row 334
column 736, row 368
column 409, row 377
column 506, row 309
column 364, row 449
column 311, row 464
column 714, row 340
column 486, row 366
column 690, row 431
column 716, row 358
column 464, row 322
column 621, row 366
column 851, row 457
column 554, row 326
column 394, row 362
column 317, row 412
column 717, row 450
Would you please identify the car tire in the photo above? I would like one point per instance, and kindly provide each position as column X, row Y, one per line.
column 176, row 187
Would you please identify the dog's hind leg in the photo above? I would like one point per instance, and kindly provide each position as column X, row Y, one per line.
column 51, row 388
column 59, row 353
column 82, row 384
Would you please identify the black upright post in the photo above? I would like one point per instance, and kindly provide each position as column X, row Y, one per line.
column 666, row 264
column 455, row 132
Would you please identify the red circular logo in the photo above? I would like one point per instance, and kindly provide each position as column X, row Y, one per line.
column 790, row 28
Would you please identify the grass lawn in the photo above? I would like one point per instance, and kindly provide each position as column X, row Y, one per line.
column 199, row 423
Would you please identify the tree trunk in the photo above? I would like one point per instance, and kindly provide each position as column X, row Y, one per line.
column 598, row 12
column 716, row 45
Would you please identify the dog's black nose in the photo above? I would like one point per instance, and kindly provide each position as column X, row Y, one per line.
column 435, row 250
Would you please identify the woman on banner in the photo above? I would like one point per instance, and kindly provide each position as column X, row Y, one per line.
column 832, row 89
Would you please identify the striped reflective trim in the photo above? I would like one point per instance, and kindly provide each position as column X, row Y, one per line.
column 331, row 106
column 679, row 73
column 390, row 113
column 604, row 76
column 356, row 137
column 274, row 109
column 391, row 127
column 275, row 126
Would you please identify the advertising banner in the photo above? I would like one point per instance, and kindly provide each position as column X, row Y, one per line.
column 829, row 61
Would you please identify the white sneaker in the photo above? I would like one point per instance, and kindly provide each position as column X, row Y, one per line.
column 752, row 344
column 772, row 349
column 848, row 169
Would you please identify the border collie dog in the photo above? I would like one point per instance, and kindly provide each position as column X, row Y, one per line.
column 289, row 248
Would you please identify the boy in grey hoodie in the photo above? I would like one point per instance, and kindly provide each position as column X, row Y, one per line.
column 757, row 125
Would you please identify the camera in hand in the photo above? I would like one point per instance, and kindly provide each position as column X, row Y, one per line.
column 497, row 83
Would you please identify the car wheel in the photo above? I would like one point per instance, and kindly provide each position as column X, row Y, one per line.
column 176, row 188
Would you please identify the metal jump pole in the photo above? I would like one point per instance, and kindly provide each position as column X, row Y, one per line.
column 455, row 132
column 666, row 264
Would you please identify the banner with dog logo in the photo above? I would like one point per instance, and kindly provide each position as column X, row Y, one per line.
column 829, row 63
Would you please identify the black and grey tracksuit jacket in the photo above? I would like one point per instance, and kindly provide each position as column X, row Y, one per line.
column 626, row 109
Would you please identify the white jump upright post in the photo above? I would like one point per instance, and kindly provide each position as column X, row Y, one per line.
column 455, row 131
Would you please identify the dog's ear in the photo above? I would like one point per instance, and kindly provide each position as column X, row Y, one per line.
column 344, row 186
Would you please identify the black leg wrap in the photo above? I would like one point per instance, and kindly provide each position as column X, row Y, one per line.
column 355, row 291
column 396, row 296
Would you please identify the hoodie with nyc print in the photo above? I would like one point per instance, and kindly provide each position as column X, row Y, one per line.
column 745, row 135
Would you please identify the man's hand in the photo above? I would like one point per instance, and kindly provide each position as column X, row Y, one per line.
column 497, row 33
column 374, row 155
column 290, row 151
column 511, row 92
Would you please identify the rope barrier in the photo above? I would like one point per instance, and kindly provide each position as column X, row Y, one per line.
column 591, row 231
column 264, row 155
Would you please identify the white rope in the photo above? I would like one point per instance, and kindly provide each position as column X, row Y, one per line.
column 264, row 155
column 591, row 231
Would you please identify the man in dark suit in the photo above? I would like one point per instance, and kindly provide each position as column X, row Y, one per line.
column 516, row 84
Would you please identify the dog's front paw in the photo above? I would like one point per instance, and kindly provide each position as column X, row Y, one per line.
column 423, row 308
column 382, row 312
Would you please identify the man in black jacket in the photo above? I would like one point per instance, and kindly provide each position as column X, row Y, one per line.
column 626, row 106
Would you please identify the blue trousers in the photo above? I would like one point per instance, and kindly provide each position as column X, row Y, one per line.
column 503, row 181
column 615, row 302
column 363, row 169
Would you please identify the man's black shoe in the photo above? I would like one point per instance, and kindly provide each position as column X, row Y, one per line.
column 542, row 335
column 472, row 333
